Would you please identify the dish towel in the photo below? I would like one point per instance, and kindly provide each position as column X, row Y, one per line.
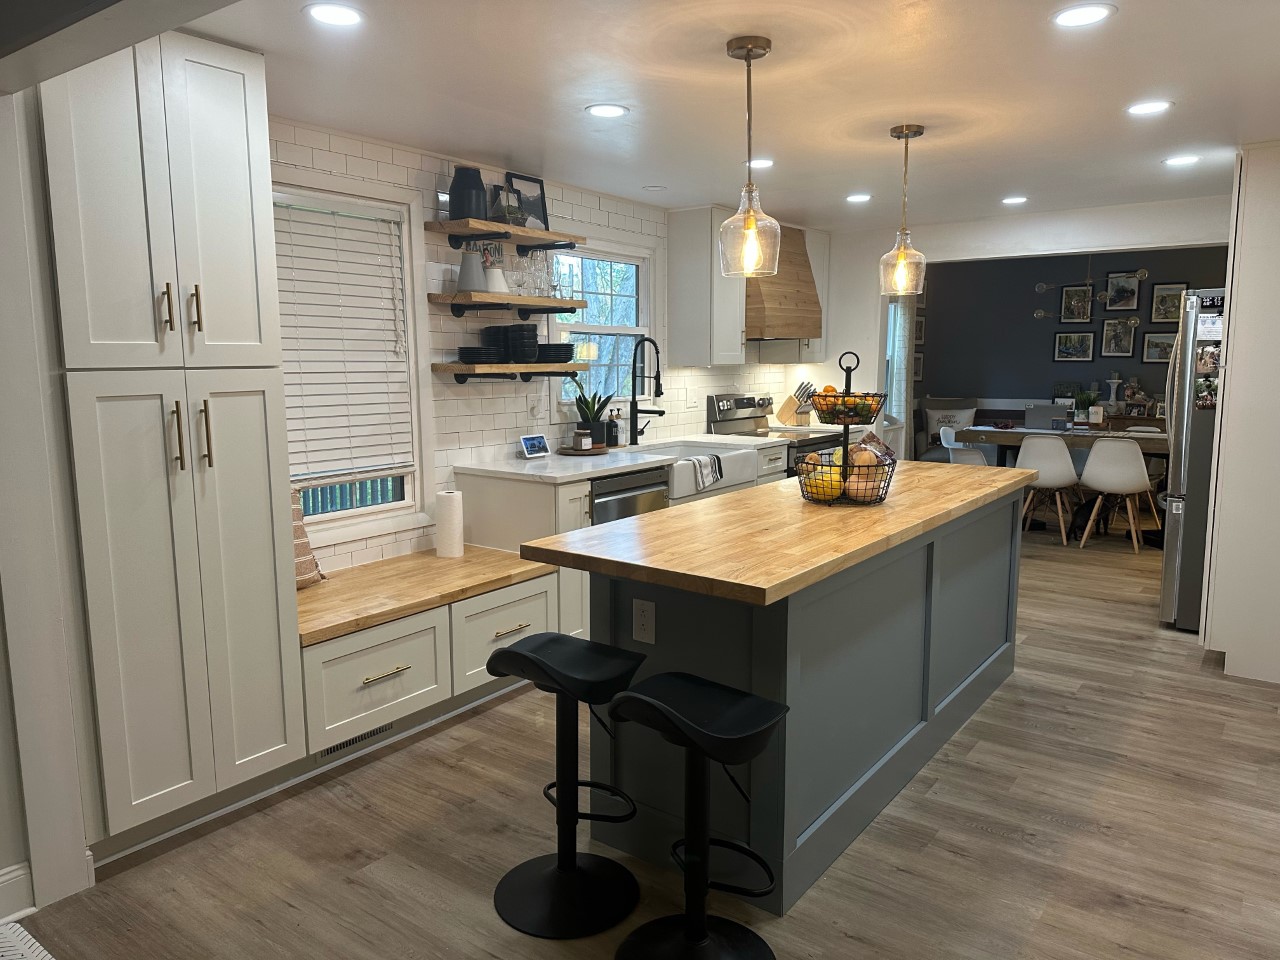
column 707, row 470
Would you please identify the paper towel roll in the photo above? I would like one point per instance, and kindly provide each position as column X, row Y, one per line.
column 449, row 523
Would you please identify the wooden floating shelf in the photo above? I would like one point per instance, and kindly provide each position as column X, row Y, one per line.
column 462, row 372
column 525, row 238
column 462, row 303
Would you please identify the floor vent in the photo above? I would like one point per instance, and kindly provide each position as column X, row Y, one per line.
column 17, row 944
column 336, row 748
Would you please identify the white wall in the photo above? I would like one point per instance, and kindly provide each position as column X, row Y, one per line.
column 13, row 828
column 1244, row 526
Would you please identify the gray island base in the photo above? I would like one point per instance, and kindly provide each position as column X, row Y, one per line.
column 880, row 664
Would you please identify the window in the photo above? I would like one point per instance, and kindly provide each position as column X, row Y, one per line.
column 346, row 355
column 616, row 315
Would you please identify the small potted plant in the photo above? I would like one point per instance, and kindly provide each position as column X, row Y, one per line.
column 591, row 411
column 1084, row 401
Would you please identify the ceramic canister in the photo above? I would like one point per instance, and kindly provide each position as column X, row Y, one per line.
column 471, row 274
column 467, row 197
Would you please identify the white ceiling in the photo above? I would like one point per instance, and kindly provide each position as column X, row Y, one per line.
column 1012, row 104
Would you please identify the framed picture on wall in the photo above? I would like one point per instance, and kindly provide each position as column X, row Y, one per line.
column 1118, row 337
column 1122, row 291
column 1166, row 302
column 533, row 198
column 1077, row 304
column 1066, row 390
column 917, row 367
column 920, row 297
column 1073, row 347
column 918, row 331
column 1158, row 347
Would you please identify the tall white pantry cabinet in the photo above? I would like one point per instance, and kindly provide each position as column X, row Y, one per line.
column 160, row 199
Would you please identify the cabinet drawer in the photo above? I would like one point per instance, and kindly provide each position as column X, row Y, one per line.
column 361, row 681
column 771, row 460
column 494, row 620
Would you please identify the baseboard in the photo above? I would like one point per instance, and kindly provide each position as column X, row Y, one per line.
column 16, row 896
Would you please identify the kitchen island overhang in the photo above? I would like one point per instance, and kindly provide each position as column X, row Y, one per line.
column 883, row 628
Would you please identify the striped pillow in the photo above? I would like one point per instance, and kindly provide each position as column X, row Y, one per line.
column 306, row 570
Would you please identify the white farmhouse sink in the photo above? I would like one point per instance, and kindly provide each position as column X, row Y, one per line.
column 739, row 466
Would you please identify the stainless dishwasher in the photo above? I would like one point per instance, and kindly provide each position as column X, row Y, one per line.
column 628, row 495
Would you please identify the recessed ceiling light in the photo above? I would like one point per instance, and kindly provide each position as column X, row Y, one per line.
column 1083, row 14
column 1014, row 201
column 653, row 186
column 858, row 197
column 761, row 163
column 1185, row 160
column 335, row 14
column 608, row 110
column 1149, row 108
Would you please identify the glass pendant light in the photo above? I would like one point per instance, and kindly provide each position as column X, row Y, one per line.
column 902, row 268
column 750, row 239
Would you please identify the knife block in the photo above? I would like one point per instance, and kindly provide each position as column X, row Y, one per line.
column 790, row 415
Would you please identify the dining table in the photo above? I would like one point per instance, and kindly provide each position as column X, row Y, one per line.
column 1010, row 439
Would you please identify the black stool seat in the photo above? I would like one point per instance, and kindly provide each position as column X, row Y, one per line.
column 567, row 894
column 728, row 725
column 556, row 663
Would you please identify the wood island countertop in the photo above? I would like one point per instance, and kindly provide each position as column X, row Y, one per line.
column 766, row 543
column 386, row 590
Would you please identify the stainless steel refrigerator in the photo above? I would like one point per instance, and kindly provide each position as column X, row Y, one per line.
column 1191, row 412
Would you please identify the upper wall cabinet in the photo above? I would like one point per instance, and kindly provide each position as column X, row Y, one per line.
column 160, row 194
column 712, row 317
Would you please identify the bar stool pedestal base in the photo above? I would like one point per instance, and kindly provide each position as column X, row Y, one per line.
column 541, row 900
column 664, row 939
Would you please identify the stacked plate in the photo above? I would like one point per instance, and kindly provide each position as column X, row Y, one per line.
column 555, row 352
column 480, row 355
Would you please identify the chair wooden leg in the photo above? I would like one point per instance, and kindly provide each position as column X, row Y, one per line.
column 1093, row 518
column 1029, row 510
column 1154, row 512
column 1058, row 498
column 1131, row 508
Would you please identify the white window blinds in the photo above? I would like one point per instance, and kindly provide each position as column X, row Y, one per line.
column 343, row 329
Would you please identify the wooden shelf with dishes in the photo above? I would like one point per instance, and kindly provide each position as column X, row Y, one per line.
column 462, row 372
column 525, row 239
column 460, row 304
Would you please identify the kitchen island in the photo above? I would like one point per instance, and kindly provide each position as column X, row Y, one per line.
column 883, row 628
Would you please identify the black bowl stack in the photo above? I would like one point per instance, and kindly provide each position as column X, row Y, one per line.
column 515, row 343
column 522, row 342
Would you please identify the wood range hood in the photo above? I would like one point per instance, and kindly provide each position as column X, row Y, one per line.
column 785, row 306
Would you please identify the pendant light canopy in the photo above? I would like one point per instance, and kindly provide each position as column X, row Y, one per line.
column 750, row 239
column 902, row 268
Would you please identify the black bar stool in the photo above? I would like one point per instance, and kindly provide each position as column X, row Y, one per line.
column 565, row 895
column 711, row 722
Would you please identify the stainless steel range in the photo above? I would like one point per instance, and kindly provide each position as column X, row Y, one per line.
column 740, row 414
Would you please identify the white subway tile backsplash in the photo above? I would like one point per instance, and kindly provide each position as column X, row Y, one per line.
column 348, row 145
column 327, row 160
column 376, row 151
column 280, row 131
column 293, row 154
column 303, row 136
column 392, row 173
column 359, row 166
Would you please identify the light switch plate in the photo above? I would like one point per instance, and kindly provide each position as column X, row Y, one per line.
column 643, row 615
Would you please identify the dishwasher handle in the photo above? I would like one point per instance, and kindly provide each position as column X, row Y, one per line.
column 629, row 494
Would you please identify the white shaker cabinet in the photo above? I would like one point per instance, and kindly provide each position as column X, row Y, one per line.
column 240, row 468
column 573, row 512
column 182, row 488
column 160, row 196
column 131, row 439
column 707, row 317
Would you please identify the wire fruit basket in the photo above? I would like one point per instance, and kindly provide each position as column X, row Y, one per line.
column 858, row 474
column 848, row 408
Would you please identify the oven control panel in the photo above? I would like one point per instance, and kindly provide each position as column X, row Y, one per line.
column 737, row 406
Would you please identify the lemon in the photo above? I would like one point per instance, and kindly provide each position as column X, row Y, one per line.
column 823, row 484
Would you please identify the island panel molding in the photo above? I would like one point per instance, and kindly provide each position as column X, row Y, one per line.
column 769, row 542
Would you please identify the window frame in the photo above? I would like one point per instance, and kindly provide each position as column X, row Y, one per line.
column 647, row 315
column 358, row 195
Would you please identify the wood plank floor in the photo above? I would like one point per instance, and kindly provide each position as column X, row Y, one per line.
column 1117, row 797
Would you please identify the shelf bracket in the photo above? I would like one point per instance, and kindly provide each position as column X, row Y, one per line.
column 464, row 377
column 526, row 312
column 524, row 249
column 460, row 310
column 456, row 240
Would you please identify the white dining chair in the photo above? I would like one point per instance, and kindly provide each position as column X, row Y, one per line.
column 1116, row 466
column 1050, row 456
column 971, row 455
column 1156, row 467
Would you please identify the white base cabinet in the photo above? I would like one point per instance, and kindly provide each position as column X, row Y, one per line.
column 491, row 621
column 182, row 488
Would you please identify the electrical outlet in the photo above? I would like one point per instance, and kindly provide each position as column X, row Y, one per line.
column 643, row 615
column 537, row 406
column 691, row 401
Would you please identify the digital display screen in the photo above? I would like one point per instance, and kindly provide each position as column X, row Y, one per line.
column 535, row 445
column 1212, row 304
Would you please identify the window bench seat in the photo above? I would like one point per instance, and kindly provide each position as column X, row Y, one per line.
column 385, row 590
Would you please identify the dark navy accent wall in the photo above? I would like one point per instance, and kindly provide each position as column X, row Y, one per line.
column 982, row 340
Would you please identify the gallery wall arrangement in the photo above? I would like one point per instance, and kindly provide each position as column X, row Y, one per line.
column 1013, row 328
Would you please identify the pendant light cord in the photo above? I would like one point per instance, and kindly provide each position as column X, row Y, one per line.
column 749, row 174
column 906, row 157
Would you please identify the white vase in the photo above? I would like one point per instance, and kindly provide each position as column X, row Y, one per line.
column 495, row 281
column 471, row 274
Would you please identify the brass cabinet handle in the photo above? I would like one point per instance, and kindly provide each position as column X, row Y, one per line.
column 516, row 629
column 182, row 443
column 199, row 310
column 774, row 459
column 390, row 673
column 208, row 432
column 168, row 308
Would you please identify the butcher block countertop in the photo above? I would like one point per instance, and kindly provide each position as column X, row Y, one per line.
column 766, row 543
column 387, row 590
